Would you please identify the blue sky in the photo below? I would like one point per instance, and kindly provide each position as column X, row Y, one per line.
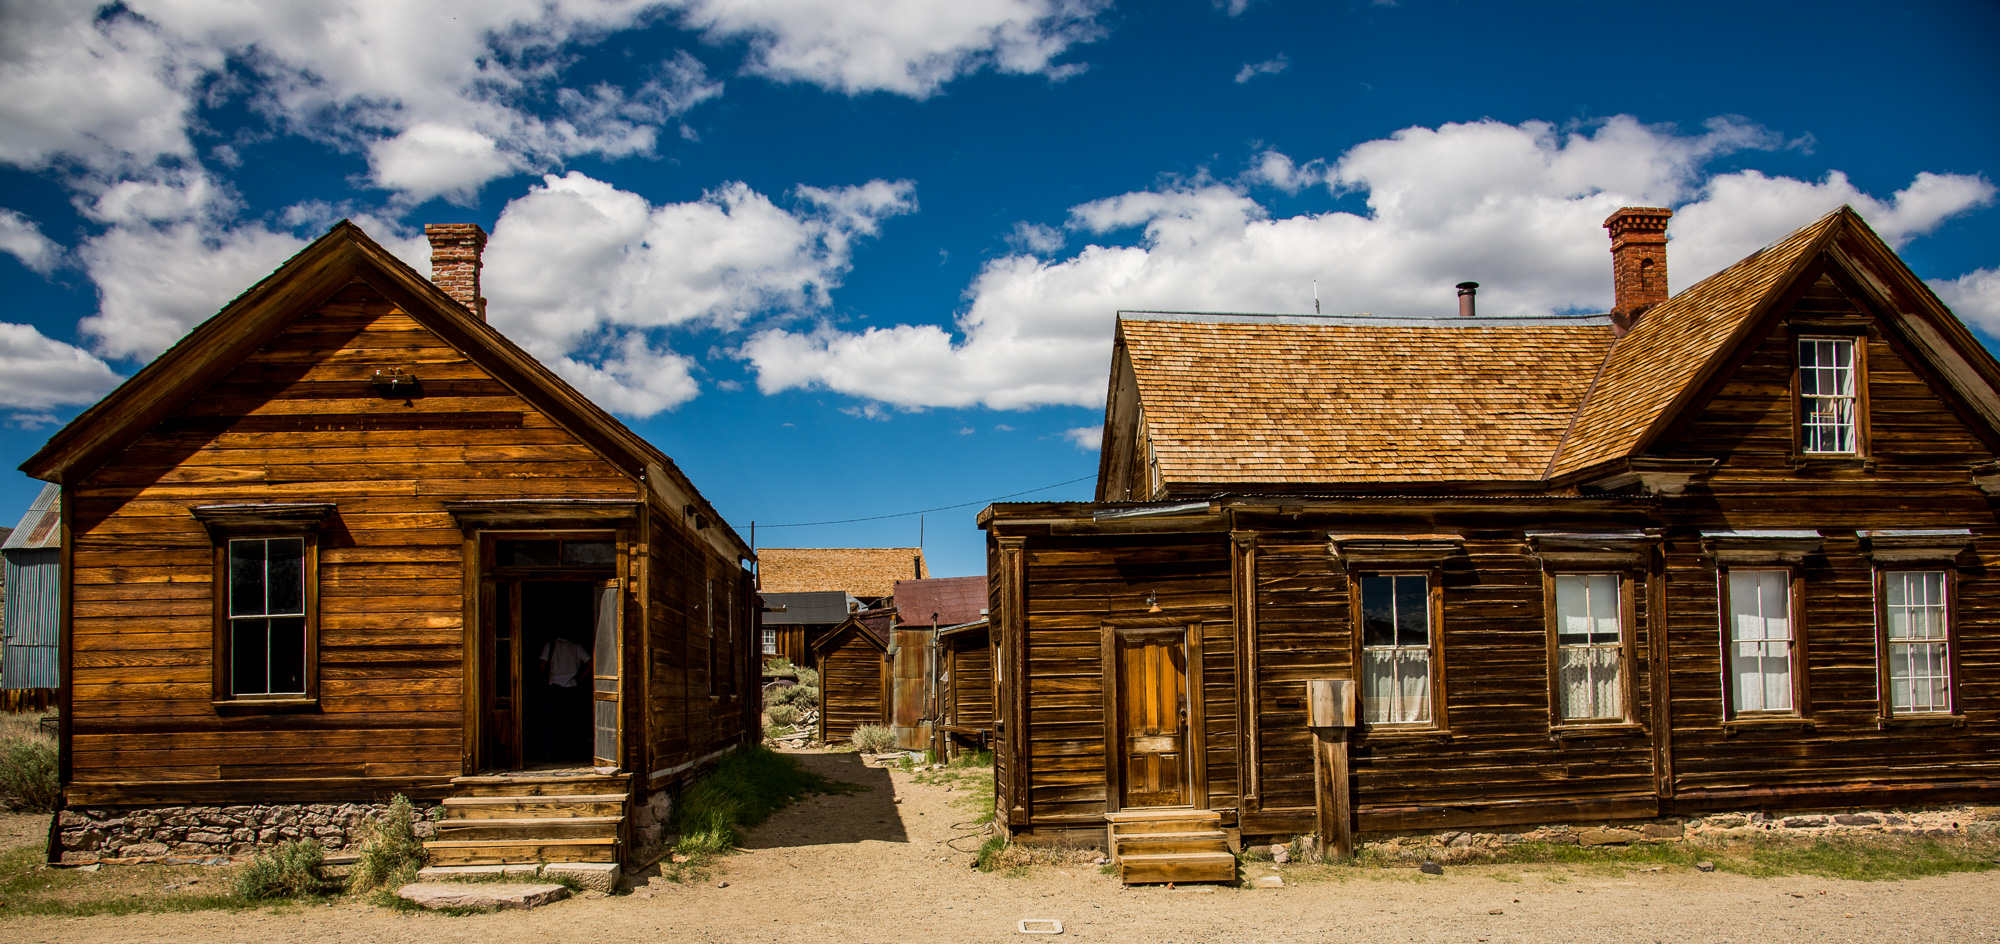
column 853, row 260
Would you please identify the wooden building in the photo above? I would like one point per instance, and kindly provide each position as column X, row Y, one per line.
column 1729, row 549
column 916, row 659
column 794, row 621
column 31, row 601
column 868, row 574
column 965, row 689
column 343, row 540
column 854, row 686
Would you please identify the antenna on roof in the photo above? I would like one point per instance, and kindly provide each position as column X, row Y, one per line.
column 1315, row 296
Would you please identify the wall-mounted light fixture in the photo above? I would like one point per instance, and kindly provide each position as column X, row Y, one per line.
column 1152, row 603
column 394, row 382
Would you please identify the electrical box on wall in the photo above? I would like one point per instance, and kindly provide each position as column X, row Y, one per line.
column 1330, row 703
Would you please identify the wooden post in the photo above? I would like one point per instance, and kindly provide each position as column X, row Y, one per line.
column 1330, row 712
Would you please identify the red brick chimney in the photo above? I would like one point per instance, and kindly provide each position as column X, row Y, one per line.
column 455, row 250
column 1638, row 263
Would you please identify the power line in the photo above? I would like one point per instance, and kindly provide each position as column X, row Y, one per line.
column 925, row 511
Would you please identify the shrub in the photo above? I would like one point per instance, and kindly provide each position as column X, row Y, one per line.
column 784, row 715
column 873, row 739
column 809, row 678
column 291, row 870
column 390, row 852
column 27, row 764
column 800, row 696
column 778, row 666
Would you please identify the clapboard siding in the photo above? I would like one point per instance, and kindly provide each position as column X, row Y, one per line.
column 852, row 675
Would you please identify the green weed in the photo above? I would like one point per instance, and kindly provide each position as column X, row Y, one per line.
column 743, row 791
column 390, row 852
column 292, row 870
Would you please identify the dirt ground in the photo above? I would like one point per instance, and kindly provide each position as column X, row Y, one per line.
column 881, row 865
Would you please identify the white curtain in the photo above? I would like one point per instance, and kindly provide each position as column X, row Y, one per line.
column 1919, row 677
column 1760, row 639
column 1396, row 686
column 1587, row 642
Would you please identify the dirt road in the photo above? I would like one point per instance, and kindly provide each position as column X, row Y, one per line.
column 875, row 867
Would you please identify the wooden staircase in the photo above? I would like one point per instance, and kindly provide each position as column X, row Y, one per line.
column 533, row 819
column 1170, row 845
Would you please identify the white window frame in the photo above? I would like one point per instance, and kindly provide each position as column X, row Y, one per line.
column 1829, row 395
column 1616, row 654
column 770, row 641
column 1735, row 647
column 1892, row 585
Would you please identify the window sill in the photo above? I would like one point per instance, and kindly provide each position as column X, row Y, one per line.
column 1791, row 722
column 1832, row 462
column 1614, row 729
column 264, row 706
column 1402, row 734
column 1939, row 720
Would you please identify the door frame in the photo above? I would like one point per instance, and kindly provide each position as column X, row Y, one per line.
column 489, row 579
column 1194, row 752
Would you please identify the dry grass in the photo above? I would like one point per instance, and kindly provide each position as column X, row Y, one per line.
column 27, row 762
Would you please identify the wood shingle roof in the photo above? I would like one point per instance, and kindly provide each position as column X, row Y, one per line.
column 1358, row 400
column 860, row 571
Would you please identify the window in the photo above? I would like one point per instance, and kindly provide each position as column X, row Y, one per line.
column 1588, row 668
column 1760, row 641
column 1916, row 638
column 770, row 642
column 267, row 616
column 266, row 601
column 1397, row 638
column 1827, row 409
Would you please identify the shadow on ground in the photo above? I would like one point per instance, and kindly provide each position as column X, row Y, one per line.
column 870, row 812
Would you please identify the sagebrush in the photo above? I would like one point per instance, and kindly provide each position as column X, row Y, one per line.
column 27, row 764
column 873, row 739
column 293, row 869
column 390, row 853
column 784, row 715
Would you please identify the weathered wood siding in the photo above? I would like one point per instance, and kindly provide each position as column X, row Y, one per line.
column 852, row 679
column 1920, row 451
column 299, row 421
column 1073, row 586
column 968, row 691
column 697, row 681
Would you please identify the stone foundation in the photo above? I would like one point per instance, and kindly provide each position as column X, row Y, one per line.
column 1448, row 845
column 104, row 832
column 649, row 833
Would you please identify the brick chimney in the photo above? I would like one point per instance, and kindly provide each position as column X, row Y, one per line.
column 455, row 251
column 1638, row 263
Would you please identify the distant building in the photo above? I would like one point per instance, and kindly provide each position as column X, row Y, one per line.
column 31, row 583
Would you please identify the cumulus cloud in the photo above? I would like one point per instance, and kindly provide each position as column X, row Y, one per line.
column 1518, row 208
column 908, row 47
column 579, row 271
column 1086, row 438
column 22, row 238
column 156, row 282
column 1271, row 66
column 38, row 372
column 1036, row 239
column 1974, row 297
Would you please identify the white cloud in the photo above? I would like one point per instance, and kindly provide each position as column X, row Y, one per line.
column 1974, row 297
column 1036, row 239
column 1518, row 208
column 908, row 47
column 154, row 282
column 1277, row 170
column 1086, row 438
column 578, row 266
column 38, row 372
column 22, row 238
column 1252, row 70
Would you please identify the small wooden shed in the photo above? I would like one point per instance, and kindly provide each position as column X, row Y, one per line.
column 854, row 685
column 32, row 577
column 964, row 688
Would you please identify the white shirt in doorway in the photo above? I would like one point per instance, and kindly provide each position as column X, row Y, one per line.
column 564, row 658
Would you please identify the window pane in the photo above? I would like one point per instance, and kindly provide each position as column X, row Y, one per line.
column 1572, row 611
column 1378, row 611
column 527, row 553
column 249, row 656
column 1603, row 608
column 288, row 656
column 1760, row 648
column 1395, row 686
column 589, row 554
column 246, row 577
column 1587, row 683
column 287, row 576
column 1413, row 612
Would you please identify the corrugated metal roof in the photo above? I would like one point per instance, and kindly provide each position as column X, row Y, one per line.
column 41, row 527
column 808, row 608
column 941, row 601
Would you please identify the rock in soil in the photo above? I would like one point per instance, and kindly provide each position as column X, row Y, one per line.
column 481, row 895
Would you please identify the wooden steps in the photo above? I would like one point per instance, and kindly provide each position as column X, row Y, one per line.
column 532, row 819
column 1170, row 845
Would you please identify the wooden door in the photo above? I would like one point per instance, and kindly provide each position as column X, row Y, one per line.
column 607, row 610
column 1153, row 718
column 500, row 675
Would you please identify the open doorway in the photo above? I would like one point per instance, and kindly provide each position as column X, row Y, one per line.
column 549, row 641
